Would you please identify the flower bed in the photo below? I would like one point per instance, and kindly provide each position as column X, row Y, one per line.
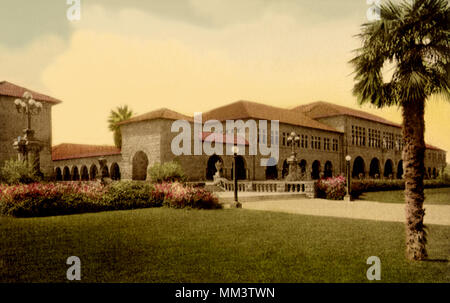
column 331, row 188
column 178, row 195
column 50, row 199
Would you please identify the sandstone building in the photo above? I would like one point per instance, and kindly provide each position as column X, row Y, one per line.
column 13, row 123
column 327, row 133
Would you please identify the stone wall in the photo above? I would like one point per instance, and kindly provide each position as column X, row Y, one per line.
column 12, row 125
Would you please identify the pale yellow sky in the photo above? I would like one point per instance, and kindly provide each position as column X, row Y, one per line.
column 282, row 55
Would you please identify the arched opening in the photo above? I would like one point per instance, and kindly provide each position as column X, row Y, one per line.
column 374, row 171
column 429, row 173
column 388, row 171
column 328, row 170
column 84, row 173
column 359, row 169
column 211, row 166
column 66, row 174
column 285, row 170
column 271, row 170
column 240, row 168
column 434, row 173
column 400, row 169
column 93, row 172
column 75, row 174
column 140, row 164
column 115, row 171
column 315, row 174
column 58, row 174
column 302, row 165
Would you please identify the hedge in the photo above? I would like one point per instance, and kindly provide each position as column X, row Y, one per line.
column 51, row 199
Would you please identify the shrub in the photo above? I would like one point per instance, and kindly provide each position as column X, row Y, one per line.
column 166, row 172
column 360, row 186
column 331, row 188
column 178, row 195
column 129, row 195
column 36, row 200
column 16, row 171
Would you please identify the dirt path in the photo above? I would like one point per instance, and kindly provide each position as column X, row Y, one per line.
column 434, row 214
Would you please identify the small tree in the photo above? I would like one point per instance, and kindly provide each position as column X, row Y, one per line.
column 16, row 171
column 121, row 113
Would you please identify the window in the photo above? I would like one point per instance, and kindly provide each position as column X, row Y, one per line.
column 358, row 135
column 284, row 139
column 304, row 141
column 274, row 137
column 326, row 143
column 335, row 145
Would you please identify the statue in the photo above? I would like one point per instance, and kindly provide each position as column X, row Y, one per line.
column 217, row 176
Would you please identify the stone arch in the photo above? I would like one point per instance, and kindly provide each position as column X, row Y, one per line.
column 359, row 167
column 58, row 174
column 241, row 171
column 66, row 174
column 285, row 169
column 211, row 166
column 271, row 170
column 75, row 174
column 400, row 169
column 302, row 165
column 374, row 169
column 434, row 173
column 140, row 164
column 93, row 172
column 429, row 173
column 114, row 171
column 328, row 170
column 315, row 173
column 84, row 173
column 388, row 168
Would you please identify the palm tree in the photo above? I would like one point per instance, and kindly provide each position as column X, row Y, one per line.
column 121, row 113
column 413, row 36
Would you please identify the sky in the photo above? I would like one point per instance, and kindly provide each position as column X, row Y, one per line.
column 188, row 56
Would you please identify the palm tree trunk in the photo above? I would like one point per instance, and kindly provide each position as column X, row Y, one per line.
column 414, row 168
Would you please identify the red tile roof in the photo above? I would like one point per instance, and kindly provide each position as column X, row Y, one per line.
column 321, row 109
column 429, row 146
column 253, row 110
column 67, row 151
column 12, row 90
column 162, row 113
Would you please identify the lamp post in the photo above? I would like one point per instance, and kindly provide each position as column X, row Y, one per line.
column 235, row 150
column 292, row 139
column 347, row 197
column 28, row 147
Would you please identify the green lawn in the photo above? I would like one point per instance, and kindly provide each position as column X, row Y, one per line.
column 232, row 245
column 432, row 196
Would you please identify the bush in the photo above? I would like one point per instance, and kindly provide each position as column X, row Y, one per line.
column 129, row 195
column 16, row 171
column 37, row 200
column 178, row 195
column 331, row 188
column 51, row 199
column 166, row 172
column 361, row 186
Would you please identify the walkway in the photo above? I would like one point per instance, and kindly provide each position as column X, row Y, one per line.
column 434, row 214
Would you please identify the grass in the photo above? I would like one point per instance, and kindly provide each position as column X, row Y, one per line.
column 234, row 245
column 432, row 196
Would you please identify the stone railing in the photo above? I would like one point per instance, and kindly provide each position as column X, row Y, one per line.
column 300, row 187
